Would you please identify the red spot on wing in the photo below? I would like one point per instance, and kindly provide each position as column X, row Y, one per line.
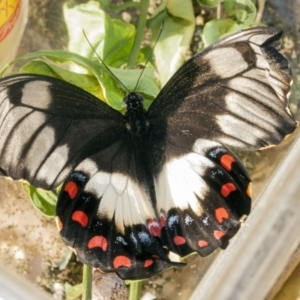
column 121, row 261
column 227, row 188
column 162, row 220
column 59, row 223
column 179, row 240
column 154, row 228
column 202, row 243
column 226, row 161
column 80, row 217
column 98, row 241
column 148, row 263
column 218, row 234
column 72, row 189
column 221, row 214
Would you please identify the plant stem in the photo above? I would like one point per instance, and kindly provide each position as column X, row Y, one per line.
column 135, row 290
column 87, row 283
column 139, row 34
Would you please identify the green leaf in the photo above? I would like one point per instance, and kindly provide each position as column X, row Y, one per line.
column 86, row 82
column 147, row 85
column 247, row 17
column 112, row 39
column 179, row 25
column 215, row 29
column 96, row 73
column 98, row 81
column 244, row 12
column 109, row 6
column 117, row 48
column 57, row 56
column 229, row 6
column 73, row 292
column 89, row 18
column 44, row 201
column 210, row 3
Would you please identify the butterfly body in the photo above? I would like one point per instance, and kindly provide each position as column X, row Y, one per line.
column 135, row 116
column 139, row 185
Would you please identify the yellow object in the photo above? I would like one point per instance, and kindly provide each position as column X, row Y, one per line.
column 13, row 19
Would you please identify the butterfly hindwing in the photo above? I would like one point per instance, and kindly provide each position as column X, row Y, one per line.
column 108, row 219
column 201, row 196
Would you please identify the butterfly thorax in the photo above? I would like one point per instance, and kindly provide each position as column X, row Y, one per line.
column 135, row 116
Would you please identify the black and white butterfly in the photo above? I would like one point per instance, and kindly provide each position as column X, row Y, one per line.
column 139, row 185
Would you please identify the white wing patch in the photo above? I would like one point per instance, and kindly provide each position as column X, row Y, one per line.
column 180, row 183
column 88, row 167
column 43, row 93
column 224, row 68
column 58, row 161
column 120, row 198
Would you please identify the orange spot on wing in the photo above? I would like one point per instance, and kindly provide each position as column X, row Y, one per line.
column 226, row 161
column 72, row 189
column 121, row 261
column 148, row 263
column 59, row 223
column 227, row 188
column 98, row 241
column 80, row 217
column 249, row 190
column 179, row 240
column 218, row 234
column 221, row 214
column 202, row 243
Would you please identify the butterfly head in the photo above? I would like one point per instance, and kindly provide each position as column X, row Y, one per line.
column 133, row 102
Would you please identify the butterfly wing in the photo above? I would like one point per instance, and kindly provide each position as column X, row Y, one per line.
column 234, row 93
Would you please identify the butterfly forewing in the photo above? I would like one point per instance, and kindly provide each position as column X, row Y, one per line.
column 234, row 92
column 140, row 185
column 47, row 128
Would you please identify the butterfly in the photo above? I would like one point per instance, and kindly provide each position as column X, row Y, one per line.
column 139, row 185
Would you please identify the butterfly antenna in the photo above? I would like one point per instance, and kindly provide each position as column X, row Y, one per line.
column 159, row 34
column 104, row 64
